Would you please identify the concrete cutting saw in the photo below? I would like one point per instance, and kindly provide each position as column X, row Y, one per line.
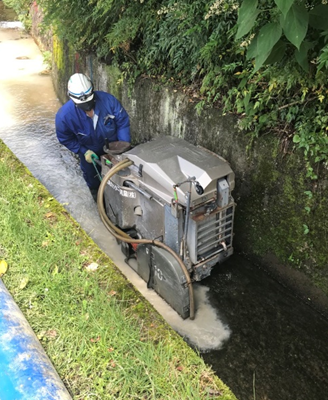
column 169, row 205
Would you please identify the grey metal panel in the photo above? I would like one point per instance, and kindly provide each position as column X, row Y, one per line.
column 173, row 229
column 151, row 223
column 192, row 241
column 168, row 160
column 164, row 274
column 223, row 193
column 121, row 201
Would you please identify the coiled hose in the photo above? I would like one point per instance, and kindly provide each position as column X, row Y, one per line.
column 120, row 235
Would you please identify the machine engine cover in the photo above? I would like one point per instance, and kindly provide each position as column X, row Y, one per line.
column 163, row 273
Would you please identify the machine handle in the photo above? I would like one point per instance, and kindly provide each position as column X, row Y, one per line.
column 135, row 187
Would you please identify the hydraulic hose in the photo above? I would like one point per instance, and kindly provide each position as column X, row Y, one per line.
column 120, row 235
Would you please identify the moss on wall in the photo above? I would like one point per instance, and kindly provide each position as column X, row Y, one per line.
column 58, row 53
column 64, row 64
column 115, row 81
column 283, row 214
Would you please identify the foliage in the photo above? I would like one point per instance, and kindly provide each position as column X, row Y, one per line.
column 263, row 60
column 47, row 59
column 293, row 26
column 22, row 9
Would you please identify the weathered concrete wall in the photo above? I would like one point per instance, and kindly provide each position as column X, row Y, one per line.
column 42, row 38
column 272, row 224
column 276, row 222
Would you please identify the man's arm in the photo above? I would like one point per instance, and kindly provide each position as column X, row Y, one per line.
column 67, row 137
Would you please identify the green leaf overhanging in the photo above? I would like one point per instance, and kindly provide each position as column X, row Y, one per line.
column 284, row 5
column 246, row 17
column 267, row 38
column 301, row 55
column 295, row 24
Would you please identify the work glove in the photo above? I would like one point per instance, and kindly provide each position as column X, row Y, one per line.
column 89, row 155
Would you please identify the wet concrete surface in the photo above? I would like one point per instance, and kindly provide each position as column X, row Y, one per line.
column 278, row 347
column 275, row 346
column 28, row 106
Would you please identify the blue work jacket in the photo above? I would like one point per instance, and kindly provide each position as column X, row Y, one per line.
column 75, row 130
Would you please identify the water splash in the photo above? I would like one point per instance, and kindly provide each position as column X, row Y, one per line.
column 11, row 25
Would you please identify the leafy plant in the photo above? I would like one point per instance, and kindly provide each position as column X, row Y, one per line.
column 278, row 25
column 22, row 9
column 47, row 59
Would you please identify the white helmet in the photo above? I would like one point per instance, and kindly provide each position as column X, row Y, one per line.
column 80, row 89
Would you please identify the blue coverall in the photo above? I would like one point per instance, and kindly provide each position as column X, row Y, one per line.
column 75, row 130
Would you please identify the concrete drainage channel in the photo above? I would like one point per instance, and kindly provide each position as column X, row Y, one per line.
column 265, row 338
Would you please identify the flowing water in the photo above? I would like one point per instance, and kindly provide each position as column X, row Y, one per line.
column 28, row 106
column 278, row 348
column 259, row 337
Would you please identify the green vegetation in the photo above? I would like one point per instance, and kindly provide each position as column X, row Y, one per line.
column 104, row 339
column 22, row 9
column 47, row 59
column 264, row 60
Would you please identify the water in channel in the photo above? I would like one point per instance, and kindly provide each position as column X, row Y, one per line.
column 260, row 339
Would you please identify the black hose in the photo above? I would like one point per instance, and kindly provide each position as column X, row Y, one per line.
column 120, row 235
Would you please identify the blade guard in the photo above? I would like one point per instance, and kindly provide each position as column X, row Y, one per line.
column 163, row 273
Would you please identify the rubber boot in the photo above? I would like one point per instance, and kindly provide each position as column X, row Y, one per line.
column 94, row 193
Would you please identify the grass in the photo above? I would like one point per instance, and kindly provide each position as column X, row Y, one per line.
column 105, row 340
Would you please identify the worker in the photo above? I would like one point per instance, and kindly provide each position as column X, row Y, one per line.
column 86, row 121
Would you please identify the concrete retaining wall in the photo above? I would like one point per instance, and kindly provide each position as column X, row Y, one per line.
column 280, row 218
